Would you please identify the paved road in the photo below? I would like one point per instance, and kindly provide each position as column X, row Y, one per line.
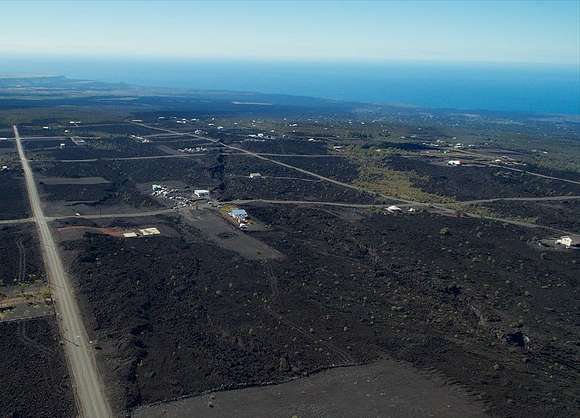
column 89, row 389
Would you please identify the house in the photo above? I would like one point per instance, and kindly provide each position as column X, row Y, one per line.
column 568, row 241
column 394, row 209
column 255, row 175
column 240, row 215
column 454, row 163
column 201, row 193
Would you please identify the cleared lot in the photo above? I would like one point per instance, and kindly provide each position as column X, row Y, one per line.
column 383, row 389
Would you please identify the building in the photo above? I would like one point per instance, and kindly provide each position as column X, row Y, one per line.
column 394, row 209
column 149, row 231
column 201, row 193
column 239, row 215
column 568, row 241
column 255, row 175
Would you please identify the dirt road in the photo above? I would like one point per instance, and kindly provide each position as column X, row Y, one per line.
column 531, row 173
column 115, row 215
column 304, row 202
column 89, row 390
column 16, row 221
column 519, row 199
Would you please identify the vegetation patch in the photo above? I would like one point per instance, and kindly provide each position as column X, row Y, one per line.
column 374, row 176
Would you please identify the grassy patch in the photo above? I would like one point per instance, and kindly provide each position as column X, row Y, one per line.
column 374, row 176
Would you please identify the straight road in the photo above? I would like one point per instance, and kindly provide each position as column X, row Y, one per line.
column 304, row 202
column 89, row 390
column 157, row 157
column 115, row 215
column 16, row 221
column 519, row 199
column 531, row 173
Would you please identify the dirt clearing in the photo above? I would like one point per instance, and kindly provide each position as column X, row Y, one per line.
column 383, row 389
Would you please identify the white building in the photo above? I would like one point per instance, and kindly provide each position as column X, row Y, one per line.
column 149, row 231
column 201, row 193
column 568, row 241
column 394, row 209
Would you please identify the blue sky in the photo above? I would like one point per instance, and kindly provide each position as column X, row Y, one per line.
column 501, row 32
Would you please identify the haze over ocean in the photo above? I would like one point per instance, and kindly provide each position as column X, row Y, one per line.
column 507, row 87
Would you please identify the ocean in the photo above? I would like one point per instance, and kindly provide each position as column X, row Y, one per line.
column 519, row 88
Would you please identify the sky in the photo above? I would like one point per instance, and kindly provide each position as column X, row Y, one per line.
column 443, row 31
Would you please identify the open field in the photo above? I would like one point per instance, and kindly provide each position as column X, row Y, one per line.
column 21, row 259
column 484, row 182
column 34, row 376
column 24, row 291
column 561, row 214
column 469, row 302
column 13, row 203
column 383, row 389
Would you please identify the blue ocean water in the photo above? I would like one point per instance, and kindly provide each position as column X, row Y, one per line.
column 522, row 88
